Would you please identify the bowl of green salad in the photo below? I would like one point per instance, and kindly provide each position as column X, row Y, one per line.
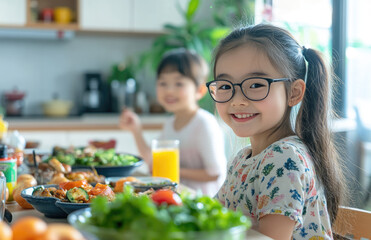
column 164, row 215
column 106, row 162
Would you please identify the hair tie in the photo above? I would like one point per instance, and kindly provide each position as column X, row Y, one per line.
column 304, row 51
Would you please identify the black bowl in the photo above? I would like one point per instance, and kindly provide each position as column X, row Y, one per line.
column 69, row 207
column 113, row 171
column 45, row 205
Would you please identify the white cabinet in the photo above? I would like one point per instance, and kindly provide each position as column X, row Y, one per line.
column 13, row 12
column 130, row 15
column 106, row 15
column 152, row 15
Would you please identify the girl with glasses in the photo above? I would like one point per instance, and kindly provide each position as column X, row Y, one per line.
column 288, row 180
column 181, row 77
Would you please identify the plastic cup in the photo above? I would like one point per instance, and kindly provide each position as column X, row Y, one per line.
column 165, row 159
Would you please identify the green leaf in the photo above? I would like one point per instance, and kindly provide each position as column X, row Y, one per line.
column 192, row 8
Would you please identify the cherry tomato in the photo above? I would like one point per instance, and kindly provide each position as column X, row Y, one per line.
column 69, row 185
column 166, row 196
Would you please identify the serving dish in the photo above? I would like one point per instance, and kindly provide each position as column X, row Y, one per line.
column 80, row 220
column 107, row 162
column 69, row 207
column 45, row 205
column 51, row 207
column 112, row 171
column 145, row 183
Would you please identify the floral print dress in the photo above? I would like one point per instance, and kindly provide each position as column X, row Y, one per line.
column 279, row 180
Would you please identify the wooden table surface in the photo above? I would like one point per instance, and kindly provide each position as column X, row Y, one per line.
column 18, row 212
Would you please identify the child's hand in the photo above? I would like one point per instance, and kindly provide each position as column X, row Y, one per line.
column 129, row 121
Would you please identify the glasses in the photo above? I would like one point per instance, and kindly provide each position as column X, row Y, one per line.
column 254, row 89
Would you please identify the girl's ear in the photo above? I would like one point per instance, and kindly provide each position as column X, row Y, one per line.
column 297, row 92
column 201, row 91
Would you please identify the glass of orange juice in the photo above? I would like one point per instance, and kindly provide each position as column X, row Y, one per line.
column 165, row 159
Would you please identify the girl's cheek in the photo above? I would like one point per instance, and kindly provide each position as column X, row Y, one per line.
column 221, row 110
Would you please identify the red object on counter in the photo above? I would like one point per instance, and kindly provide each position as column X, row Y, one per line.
column 47, row 14
column 103, row 144
column 14, row 95
column 14, row 102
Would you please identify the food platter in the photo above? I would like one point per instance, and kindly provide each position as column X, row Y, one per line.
column 45, row 205
column 57, row 201
column 108, row 163
column 53, row 207
column 145, row 183
column 112, row 171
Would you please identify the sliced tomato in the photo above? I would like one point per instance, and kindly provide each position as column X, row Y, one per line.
column 101, row 190
column 166, row 196
column 69, row 185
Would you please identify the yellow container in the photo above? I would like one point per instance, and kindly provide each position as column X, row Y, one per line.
column 62, row 15
column 165, row 159
column 9, row 167
column 3, row 128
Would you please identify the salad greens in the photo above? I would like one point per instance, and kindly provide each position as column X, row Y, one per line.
column 140, row 215
column 92, row 157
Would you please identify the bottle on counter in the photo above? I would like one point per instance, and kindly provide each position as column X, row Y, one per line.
column 3, row 128
column 8, row 166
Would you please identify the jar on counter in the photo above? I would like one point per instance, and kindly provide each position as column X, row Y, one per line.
column 8, row 166
column 14, row 102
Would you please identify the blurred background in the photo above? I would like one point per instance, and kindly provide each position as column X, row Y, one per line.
column 69, row 67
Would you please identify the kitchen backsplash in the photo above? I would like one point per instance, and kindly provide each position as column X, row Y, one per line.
column 42, row 67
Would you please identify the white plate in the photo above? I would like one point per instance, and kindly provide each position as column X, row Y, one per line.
column 142, row 179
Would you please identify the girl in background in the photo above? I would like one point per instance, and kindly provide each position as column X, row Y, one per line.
column 181, row 75
column 288, row 180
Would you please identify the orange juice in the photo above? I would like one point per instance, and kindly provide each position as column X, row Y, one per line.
column 165, row 159
column 166, row 164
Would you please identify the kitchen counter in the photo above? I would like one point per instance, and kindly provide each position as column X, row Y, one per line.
column 102, row 121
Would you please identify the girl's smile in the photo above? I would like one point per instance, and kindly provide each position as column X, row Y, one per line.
column 243, row 117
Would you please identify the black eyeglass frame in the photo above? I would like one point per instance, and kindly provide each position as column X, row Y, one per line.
column 269, row 80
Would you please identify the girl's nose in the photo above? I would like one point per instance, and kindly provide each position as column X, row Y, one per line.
column 239, row 98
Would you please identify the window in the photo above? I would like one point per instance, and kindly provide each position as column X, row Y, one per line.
column 308, row 20
column 358, row 57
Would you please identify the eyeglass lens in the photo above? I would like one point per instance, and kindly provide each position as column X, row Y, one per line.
column 253, row 88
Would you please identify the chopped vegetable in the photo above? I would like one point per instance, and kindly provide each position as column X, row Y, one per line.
column 69, row 185
column 37, row 191
column 92, row 157
column 102, row 190
column 77, row 195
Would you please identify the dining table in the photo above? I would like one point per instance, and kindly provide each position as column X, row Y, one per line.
column 18, row 212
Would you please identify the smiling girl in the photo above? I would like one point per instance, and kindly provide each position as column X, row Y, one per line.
column 288, row 180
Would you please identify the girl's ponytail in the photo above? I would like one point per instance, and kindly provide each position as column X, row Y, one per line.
column 312, row 126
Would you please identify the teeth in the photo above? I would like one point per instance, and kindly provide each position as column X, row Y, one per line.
column 244, row 115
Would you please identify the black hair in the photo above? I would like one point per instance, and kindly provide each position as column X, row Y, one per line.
column 186, row 62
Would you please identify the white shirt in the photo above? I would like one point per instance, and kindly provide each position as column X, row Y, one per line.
column 201, row 147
